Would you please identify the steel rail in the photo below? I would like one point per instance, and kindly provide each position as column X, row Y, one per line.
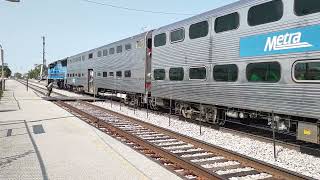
column 277, row 172
column 36, row 88
column 194, row 168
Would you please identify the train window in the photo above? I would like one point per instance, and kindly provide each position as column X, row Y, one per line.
column 159, row 74
column 160, row 40
column 105, row 74
column 225, row 73
column 127, row 73
column 176, row 74
column 119, row 49
column 198, row 73
column 227, row 22
column 90, row 56
column 105, row 52
column 111, row 51
column 111, row 74
column 99, row 54
column 264, row 72
column 303, row 7
column 127, row 47
column 119, row 73
column 265, row 13
column 307, row 71
column 177, row 35
column 198, row 30
column 82, row 75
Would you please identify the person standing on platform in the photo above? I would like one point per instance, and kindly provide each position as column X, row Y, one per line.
column 49, row 88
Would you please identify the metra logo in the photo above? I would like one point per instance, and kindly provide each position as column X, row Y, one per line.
column 286, row 41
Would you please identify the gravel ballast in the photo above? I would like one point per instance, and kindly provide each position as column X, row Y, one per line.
column 286, row 158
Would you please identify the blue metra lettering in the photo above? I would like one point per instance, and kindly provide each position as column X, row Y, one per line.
column 288, row 41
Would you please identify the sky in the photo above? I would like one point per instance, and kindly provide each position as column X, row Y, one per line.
column 74, row 26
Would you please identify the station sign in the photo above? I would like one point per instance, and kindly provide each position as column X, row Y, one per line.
column 282, row 42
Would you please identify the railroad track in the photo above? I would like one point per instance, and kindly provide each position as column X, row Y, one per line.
column 40, row 90
column 186, row 156
column 286, row 141
column 242, row 130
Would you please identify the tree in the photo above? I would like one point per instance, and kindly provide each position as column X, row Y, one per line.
column 18, row 75
column 34, row 73
column 7, row 71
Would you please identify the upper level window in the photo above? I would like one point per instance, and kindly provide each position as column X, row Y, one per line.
column 227, row 22
column 226, row 73
column 105, row 74
column 264, row 72
column 83, row 58
column 127, row 47
column 176, row 74
column 199, row 30
column 307, row 71
column 90, row 56
column 111, row 74
column 111, row 51
column 127, row 73
column 198, row 73
column 265, row 13
column 177, row 35
column 119, row 73
column 305, row 7
column 119, row 49
column 99, row 54
column 105, row 52
column 159, row 74
column 160, row 40
column 99, row 74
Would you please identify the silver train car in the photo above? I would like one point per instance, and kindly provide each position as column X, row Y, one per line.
column 253, row 61
column 244, row 61
column 120, row 67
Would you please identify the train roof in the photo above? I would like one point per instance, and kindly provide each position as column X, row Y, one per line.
column 212, row 13
column 112, row 44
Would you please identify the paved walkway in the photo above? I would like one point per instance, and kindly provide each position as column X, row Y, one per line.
column 39, row 140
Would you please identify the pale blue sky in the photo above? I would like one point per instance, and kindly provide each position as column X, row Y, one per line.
column 73, row 26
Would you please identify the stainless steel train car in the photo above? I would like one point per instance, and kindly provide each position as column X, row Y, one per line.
column 253, row 61
column 244, row 61
column 119, row 67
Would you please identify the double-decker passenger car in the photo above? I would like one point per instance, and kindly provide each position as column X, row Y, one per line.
column 120, row 67
column 253, row 61
column 244, row 62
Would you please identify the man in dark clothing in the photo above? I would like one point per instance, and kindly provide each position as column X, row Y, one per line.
column 49, row 88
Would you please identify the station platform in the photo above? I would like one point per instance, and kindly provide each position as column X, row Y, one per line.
column 39, row 140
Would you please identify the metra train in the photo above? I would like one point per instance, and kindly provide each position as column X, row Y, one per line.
column 241, row 62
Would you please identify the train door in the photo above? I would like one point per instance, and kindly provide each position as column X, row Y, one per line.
column 148, row 62
column 90, row 81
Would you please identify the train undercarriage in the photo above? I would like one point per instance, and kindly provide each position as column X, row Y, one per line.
column 305, row 129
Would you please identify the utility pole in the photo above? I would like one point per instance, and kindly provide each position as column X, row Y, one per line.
column 43, row 57
column 2, row 68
